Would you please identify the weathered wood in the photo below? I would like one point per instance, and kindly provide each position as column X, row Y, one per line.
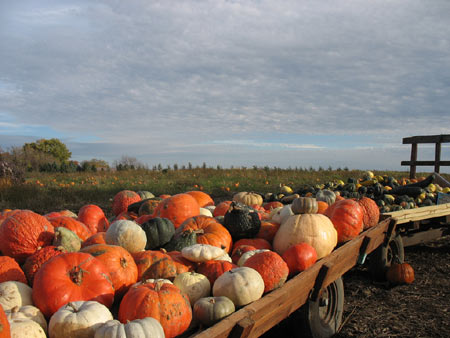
column 242, row 328
column 424, row 236
column 427, row 139
column 412, row 169
column 437, row 156
column 278, row 304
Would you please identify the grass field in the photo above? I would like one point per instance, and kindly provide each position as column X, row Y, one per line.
column 43, row 192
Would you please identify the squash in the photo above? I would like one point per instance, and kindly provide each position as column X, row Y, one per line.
column 27, row 312
column 127, row 234
column 202, row 198
column 400, row 273
column 214, row 268
column 299, row 257
column 122, row 200
column 163, row 301
column 26, row 328
column 210, row 310
column 248, row 198
column 181, row 240
column 144, row 194
column 71, row 276
column 249, row 254
column 72, row 224
column 202, row 252
column 241, row 221
column 147, row 327
column 177, row 208
column 304, row 205
column 241, row 285
column 35, row 261
column 159, row 231
column 272, row 268
column 326, row 196
column 194, row 285
column 67, row 239
column 371, row 212
column 78, row 319
column 157, row 265
column 314, row 229
column 93, row 217
column 11, row 270
column 15, row 294
column 347, row 216
column 280, row 215
column 23, row 232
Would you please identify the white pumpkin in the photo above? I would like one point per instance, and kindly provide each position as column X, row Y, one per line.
column 78, row 319
column 314, row 229
column 206, row 212
column 225, row 257
column 242, row 285
column 202, row 252
column 281, row 215
column 147, row 327
column 127, row 234
column 26, row 328
column 211, row 208
column 27, row 312
column 194, row 285
column 247, row 255
column 13, row 293
column 248, row 198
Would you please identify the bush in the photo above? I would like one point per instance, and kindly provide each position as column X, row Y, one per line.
column 10, row 173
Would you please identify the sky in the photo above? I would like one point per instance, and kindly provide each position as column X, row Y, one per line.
column 232, row 83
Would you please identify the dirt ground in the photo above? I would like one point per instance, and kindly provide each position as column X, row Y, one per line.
column 375, row 309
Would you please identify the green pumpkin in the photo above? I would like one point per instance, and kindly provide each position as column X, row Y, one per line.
column 159, row 231
column 181, row 240
column 241, row 221
column 145, row 194
column 350, row 187
column 67, row 239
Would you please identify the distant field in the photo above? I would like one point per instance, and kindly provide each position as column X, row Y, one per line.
column 43, row 192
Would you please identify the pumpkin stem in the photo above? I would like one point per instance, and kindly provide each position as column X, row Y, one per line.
column 76, row 275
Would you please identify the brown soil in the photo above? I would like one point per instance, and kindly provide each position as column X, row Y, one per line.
column 376, row 309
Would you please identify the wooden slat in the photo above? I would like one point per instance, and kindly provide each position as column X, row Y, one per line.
column 417, row 214
column 430, row 163
column 424, row 236
column 427, row 139
column 278, row 304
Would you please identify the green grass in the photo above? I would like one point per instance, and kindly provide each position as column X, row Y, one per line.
column 44, row 192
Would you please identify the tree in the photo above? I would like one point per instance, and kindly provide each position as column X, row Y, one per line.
column 53, row 147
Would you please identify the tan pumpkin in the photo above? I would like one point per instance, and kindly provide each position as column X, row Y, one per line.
column 13, row 293
column 241, row 285
column 304, row 205
column 29, row 312
column 248, row 198
column 26, row 328
column 315, row 229
column 194, row 285
column 127, row 234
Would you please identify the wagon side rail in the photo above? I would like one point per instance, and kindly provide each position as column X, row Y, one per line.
column 260, row 316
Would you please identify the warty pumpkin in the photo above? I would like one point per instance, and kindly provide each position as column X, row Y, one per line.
column 11, row 270
column 153, row 264
column 122, row 200
column 35, row 261
column 347, row 217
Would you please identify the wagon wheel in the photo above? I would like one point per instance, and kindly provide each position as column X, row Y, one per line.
column 383, row 256
column 322, row 318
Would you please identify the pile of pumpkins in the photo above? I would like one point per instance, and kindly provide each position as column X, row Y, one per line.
column 389, row 193
column 163, row 265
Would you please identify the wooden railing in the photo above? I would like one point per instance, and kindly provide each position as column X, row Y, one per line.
column 437, row 163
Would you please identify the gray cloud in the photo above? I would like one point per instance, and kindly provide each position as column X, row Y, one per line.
column 183, row 77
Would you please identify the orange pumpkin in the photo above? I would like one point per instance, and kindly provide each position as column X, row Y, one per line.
column 400, row 273
column 71, row 277
column 123, row 199
column 22, row 233
column 5, row 330
column 10, row 270
column 347, row 217
column 371, row 215
column 321, row 207
column 258, row 243
column 203, row 199
column 72, row 224
column 177, row 208
column 119, row 263
column 272, row 268
column 299, row 257
column 93, row 217
column 208, row 230
column 98, row 238
column 153, row 264
column 221, row 208
column 269, row 206
column 268, row 230
column 35, row 261
column 215, row 268
column 162, row 301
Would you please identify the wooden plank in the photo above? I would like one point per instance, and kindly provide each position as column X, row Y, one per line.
column 437, row 156
column 443, row 138
column 412, row 169
column 424, row 163
column 424, row 236
column 278, row 304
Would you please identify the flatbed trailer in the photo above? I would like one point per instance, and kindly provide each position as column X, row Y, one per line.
column 317, row 294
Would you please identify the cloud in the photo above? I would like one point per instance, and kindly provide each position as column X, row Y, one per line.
column 160, row 75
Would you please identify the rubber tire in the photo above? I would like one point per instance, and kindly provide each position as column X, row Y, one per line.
column 381, row 258
column 318, row 321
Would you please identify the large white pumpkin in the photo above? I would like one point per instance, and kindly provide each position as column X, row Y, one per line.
column 194, row 285
column 78, row 319
column 13, row 293
column 242, row 285
column 29, row 312
column 127, row 234
column 26, row 328
column 314, row 229
column 139, row 328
